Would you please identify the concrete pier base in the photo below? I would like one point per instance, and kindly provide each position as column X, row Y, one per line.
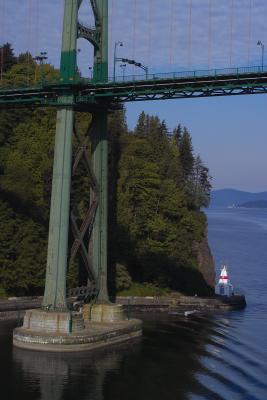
column 53, row 322
column 95, row 335
column 105, row 313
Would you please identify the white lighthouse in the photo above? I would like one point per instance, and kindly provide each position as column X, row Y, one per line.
column 224, row 287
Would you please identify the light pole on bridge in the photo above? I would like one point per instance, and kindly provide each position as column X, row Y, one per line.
column 41, row 58
column 115, row 59
column 123, row 67
column 259, row 43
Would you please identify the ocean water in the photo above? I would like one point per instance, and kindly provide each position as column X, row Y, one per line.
column 207, row 356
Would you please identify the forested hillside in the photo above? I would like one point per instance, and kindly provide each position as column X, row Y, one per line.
column 157, row 186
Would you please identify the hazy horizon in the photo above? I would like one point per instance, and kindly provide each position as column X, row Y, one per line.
column 238, row 190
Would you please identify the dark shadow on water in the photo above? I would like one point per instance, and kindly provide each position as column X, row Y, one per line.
column 161, row 365
column 59, row 376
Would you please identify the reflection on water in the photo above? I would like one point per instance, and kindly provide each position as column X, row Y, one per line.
column 67, row 376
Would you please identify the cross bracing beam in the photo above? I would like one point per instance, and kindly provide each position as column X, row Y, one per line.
column 90, row 34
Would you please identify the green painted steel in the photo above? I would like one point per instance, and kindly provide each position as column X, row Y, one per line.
column 68, row 63
column 57, row 253
column 100, row 163
column 100, row 158
column 89, row 95
column 101, row 52
column 55, row 286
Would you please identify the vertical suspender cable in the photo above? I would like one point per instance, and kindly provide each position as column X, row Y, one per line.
column 29, row 38
column 210, row 34
column 36, row 49
column 231, row 32
column 134, row 30
column 249, row 29
column 37, row 33
column 111, row 26
column 189, row 35
column 149, row 31
column 2, row 55
column 171, row 32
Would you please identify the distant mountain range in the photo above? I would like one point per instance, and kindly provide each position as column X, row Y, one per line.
column 232, row 197
column 254, row 204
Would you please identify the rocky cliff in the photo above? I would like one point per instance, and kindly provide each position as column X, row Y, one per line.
column 205, row 261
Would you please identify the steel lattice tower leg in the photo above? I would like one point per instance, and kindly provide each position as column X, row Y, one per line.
column 100, row 162
column 100, row 156
column 55, row 288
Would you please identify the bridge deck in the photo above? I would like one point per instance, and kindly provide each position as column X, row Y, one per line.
column 83, row 93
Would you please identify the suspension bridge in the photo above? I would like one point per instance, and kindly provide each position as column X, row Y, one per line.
column 97, row 96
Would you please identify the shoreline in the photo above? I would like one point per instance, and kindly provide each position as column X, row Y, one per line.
column 15, row 309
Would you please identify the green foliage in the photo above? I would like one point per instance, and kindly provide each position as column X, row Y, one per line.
column 123, row 278
column 3, row 293
column 22, row 252
column 143, row 290
column 7, row 58
column 157, row 221
column 156, row 189
column 186, row 153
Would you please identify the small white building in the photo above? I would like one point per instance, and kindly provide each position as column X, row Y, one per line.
column 224, row 287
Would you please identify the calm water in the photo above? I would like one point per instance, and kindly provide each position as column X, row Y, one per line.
column 204, row 357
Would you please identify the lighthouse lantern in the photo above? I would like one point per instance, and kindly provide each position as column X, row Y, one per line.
column 224, row 287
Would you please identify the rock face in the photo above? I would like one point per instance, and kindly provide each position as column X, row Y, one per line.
column 205, row 261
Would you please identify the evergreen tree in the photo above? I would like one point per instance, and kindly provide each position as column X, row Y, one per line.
column 7, row 58
column 177, row 135
column 199, row 184
column 141, row 128
column 186, row 153
column 25, row 58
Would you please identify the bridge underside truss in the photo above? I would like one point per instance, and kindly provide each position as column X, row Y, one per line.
column 90, row 96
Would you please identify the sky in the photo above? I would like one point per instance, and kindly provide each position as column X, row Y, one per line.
column 229, row 132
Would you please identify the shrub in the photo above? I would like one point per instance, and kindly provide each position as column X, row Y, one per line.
column 144, row 289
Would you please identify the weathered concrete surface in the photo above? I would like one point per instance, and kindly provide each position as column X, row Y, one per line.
column 12, row 315
column 165, row 304
column 103, row 312
column 20, row 303
column 94, row 335
column 52, row 321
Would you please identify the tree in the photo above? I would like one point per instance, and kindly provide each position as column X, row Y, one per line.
column 177, row 135
column 141, row 128
column 7, row 58
column 199, row 184
column 186, row 153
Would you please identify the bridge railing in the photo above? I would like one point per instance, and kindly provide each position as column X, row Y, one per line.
column 171, row 76
column 202, row 73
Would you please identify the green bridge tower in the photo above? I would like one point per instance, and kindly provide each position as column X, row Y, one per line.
column 57, row 257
